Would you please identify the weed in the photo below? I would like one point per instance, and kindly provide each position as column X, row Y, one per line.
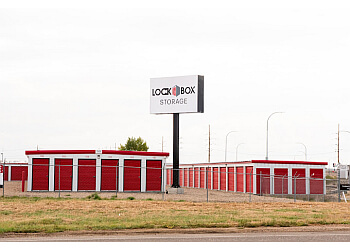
column 94, row 196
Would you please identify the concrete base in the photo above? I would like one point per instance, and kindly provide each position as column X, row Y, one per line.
column 176, row 191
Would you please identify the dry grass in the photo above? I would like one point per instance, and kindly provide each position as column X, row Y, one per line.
column 57, row 215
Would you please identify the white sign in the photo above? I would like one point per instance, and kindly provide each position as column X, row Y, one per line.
column 181, row 94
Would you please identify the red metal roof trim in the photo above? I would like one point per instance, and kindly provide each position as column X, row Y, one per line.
column 48, row 152
column 290, row 162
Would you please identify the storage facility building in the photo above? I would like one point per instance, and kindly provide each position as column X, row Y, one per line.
column 256, row 176
column 96, row 170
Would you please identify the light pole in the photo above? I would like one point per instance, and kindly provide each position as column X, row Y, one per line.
column 267, row 134
column 345, row 131
column 305, row 152
column 237, row 150
column 226, row 143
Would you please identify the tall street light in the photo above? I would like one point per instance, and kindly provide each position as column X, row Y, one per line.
column 267, row 134
column 237, row 151
column 305, row 152
column 226, row 143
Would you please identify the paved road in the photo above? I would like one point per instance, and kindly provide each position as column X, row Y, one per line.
column 333, row 236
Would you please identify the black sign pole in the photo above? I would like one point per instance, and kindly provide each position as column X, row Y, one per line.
column 176, row 151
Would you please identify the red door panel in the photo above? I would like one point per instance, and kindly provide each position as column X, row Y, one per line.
column 263, row 174
column 181, row 177
column 16, row 172
column 185, row 177
column 231, row 180
column 202, row 178
column 40, row 174
column 86, row 174
column 240, row 179
column 316, row 181
column 281, row 180
column 63, row 174
column 223, row 179
column 249, row 179
column 196, row 177
column 132, row 175
column 153, row 175
column 298, row 176
column 215, row 178
column 109, row 173
column 6, row 171
column 190, row 180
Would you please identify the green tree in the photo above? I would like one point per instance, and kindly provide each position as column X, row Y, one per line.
column 134, row 144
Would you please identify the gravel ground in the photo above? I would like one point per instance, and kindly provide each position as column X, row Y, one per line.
column 14, row 188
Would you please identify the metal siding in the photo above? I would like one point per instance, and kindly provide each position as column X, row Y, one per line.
column 153, row 175
column 249, row 180
column 132, row 175
column 190, row 176
column 196, row 177
column 16, row 172
column 281, row 180
column 86, row 175
column 215, row 178
column 231, row 179
column 240, row 179
column 109, row 176
column 316, row 181
column 64, row 173
column 202, row 178
column 40, row 174
column 223, row 178
column 300, row 181
column 263, row 174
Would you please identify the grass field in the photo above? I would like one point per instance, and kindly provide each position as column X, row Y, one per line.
column 47, row 215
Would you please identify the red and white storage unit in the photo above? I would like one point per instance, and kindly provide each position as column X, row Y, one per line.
column 96, row 170
column 13, row 171
column 256, row 176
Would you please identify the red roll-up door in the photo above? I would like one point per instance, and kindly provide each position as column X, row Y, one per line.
column 299, row 175
column 153, row 175
column 210, row 176
column 40, row 174
column 86, row 175
column 196, row 177
column 16, row 172
column 181, row 177
column 168, row 177
column 281, row 180
column 263, row 174
column 63, row 174
column 185, row 177
column 240, row 179
column 231, row 179
column 249, row 179
column 202, row 177
column 223, row 178
column 316, row 181
column 132, row 175
column 109, row 174
column 216, row 178
column 190, row 180
column 6, row 171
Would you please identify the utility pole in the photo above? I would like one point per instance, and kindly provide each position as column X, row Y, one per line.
column 338, row 144
column 209, row 146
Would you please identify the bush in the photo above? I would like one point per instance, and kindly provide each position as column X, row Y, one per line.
column 131, row 198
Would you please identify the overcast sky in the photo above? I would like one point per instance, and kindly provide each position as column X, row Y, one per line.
column 80, row 79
